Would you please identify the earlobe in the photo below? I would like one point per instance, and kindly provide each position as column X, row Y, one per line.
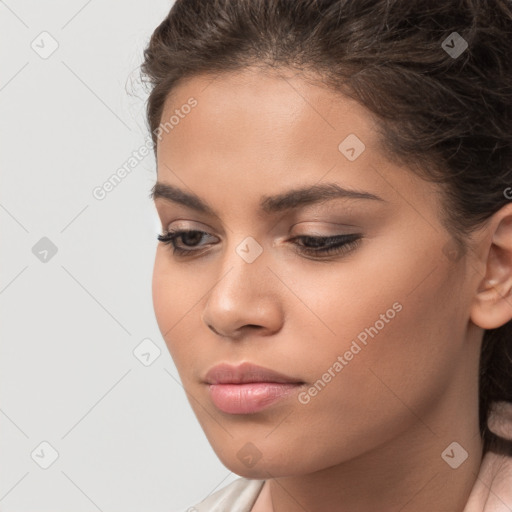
column 492, row 306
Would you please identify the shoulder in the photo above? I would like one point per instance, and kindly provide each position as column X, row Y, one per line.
column 238, row 496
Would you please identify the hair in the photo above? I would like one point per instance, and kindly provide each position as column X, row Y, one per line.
column 448, row 118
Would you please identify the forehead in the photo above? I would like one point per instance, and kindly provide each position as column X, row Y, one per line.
column 276, row 96
column 256, row 131
column 269, row 117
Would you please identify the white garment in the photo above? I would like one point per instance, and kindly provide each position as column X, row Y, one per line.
column 492, row 491
column 238, row 496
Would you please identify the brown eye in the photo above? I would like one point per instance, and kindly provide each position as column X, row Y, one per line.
column 189, row 238
column 339, row 244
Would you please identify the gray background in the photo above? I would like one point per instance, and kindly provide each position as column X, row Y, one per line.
column 125, row 435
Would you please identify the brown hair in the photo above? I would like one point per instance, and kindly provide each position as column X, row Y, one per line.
column 448, row 116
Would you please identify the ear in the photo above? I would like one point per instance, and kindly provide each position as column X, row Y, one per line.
column 492, row 304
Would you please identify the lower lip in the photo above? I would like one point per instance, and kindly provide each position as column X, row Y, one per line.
column 250, row 397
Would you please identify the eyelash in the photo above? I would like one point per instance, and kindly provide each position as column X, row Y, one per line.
column 339, row 244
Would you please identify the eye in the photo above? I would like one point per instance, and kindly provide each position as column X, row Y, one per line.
column 170, row 237
column 310, row 245
column 327, row 245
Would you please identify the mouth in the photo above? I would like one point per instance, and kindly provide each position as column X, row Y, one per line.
column 247, row 388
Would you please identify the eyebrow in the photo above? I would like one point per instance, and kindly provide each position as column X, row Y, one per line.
column 289, row 200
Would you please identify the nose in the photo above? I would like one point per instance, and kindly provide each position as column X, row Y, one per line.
column 245, row 299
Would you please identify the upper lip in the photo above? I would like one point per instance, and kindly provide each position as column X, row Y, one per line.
column 245, row 372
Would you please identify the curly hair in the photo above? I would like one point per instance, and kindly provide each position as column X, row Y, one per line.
column 446, row 114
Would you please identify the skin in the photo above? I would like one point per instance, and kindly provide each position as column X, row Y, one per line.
column 372, row 439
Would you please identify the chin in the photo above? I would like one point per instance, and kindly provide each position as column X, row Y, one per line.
column 251, row 462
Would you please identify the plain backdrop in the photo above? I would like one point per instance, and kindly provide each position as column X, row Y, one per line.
column 92, row 413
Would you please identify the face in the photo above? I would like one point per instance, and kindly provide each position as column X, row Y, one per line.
column 354, row 299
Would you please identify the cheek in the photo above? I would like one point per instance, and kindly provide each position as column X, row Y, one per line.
column 401, row 341
column 178, row 291
column 398, row 333
column 170, row 291
column 162, row 299
column 390, row 319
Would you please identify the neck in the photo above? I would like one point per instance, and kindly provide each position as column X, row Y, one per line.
column 409, row 476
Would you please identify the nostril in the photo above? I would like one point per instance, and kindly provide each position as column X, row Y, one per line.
column 213, row 329
column 252, row 326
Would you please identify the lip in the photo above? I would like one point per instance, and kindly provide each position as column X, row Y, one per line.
column 245, row 373
column 247, row 388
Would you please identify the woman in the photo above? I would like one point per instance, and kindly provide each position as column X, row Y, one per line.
column 334, row 278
